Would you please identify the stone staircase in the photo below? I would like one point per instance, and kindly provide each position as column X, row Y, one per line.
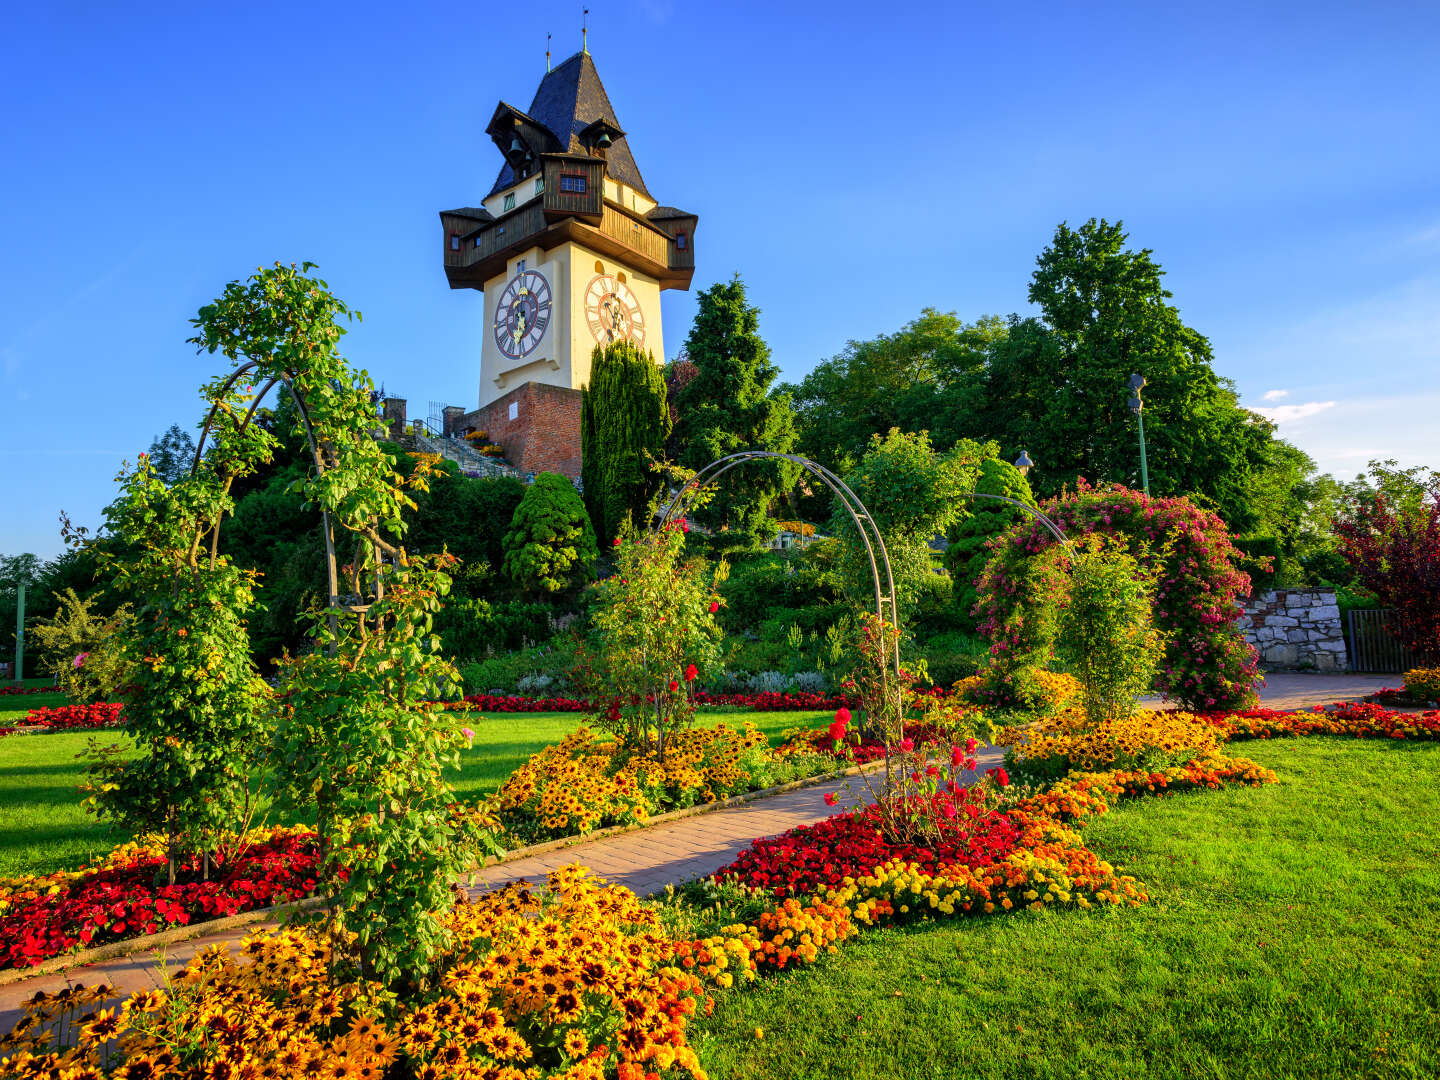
column 470, row 460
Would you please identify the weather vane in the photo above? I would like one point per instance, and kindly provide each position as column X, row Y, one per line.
column 585, row 30
column 547, row 53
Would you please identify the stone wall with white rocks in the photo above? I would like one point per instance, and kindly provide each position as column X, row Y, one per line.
column 1295, row 630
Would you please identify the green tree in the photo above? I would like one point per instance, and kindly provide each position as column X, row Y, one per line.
column 726, row 406
column 1059, row 387
column 652, row 621
column 357, row 742
column 913, row 494
column 172, row 454
column 624, row 422
column 922, row 377
column 550, row 547
column 968, row 552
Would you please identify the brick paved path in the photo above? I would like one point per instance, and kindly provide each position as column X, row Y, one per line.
column 649, row 859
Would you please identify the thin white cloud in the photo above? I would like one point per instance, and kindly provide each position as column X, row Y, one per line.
column 1288, row 414
column 1357, row 430
column 1274, row 395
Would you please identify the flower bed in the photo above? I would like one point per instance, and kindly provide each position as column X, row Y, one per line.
column 766, row 701
column 101, row 714
column 576, row 980
column 584, row 783
column 813, row 858
column 857, row 749
column 42, row 917
column 1361, row 720
column 583, row 980
column 1050, row 748
column 10, row 691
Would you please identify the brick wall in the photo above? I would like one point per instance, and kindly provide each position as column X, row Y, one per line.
column 544, row 436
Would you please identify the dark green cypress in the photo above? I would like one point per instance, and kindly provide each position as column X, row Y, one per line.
column 624, row 422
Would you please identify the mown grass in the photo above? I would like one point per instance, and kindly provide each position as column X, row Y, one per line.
column 43, row 827
column 1292, row 932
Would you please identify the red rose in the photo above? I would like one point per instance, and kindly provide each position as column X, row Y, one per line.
column 691, row 672
column 714, row 606
column 831, row 799
column 674, row 685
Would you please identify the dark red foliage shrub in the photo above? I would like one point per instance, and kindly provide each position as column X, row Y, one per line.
column 1396, row 555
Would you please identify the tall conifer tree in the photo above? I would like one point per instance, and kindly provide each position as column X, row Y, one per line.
column 624, row 422
column 727, row 407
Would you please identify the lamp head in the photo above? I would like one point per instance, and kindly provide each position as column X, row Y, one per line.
column 1137, row 383
column 1023, row 463
column 1135, row 403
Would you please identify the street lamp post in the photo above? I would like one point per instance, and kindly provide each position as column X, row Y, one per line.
column 20, row 634
column 1137, row 383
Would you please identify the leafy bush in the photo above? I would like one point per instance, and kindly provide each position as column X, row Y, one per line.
column 1106, row 635
column 1423, row 684
column 508, row 671
column 772, row 682
column 1261, row 561
column 1208, row 664
column 476, row 628
column 534, row 684
column 810, row 682
column 655, row 631
column 969, row 548
column 550, row 547
column 952, row 656
column 81, row 649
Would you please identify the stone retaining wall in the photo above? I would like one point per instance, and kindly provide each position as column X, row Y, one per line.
column 1295, row 630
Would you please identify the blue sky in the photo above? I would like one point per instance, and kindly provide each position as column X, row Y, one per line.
column 854, row 163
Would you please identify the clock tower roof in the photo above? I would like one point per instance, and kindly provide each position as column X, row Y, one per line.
column 569, row 104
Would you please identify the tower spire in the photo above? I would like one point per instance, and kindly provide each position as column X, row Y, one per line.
column 585, row 30
column 547, row 54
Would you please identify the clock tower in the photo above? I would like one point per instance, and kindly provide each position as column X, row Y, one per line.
column 570, row 250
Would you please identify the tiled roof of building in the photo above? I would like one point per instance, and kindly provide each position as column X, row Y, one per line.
column 570, row 99
column 477, row 213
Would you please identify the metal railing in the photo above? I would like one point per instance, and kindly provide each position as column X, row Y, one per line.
column 1373, row 646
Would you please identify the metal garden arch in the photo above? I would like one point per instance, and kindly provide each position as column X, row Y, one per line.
column 875, row 552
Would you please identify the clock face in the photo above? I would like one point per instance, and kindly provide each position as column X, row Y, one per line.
column 613, row 311
column 522, row 313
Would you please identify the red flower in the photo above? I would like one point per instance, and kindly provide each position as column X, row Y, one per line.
column 691, row 672
column 674, row 685
column 831, row 799
column 714, row 606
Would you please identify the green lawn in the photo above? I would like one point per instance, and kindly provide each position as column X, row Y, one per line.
column 43, row 829
column 1294, row 931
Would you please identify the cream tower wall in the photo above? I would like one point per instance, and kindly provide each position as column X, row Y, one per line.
column 562, row 358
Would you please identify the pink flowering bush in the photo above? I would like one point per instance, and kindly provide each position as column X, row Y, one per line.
column 1207, row 664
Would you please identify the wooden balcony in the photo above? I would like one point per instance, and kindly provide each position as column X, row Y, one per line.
column 553, row 218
